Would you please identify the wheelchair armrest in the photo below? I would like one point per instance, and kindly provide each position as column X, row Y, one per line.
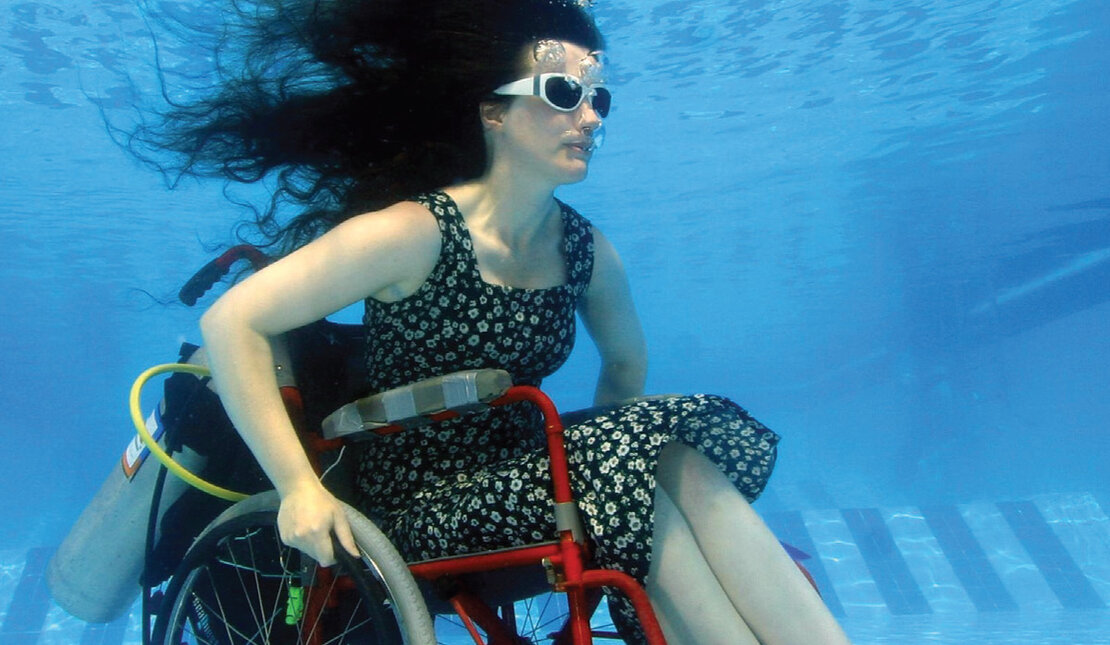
column 418, row 403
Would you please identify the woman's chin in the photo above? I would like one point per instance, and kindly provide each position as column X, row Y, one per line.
column 576, row 171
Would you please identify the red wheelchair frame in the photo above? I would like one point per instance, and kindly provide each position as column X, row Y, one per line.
column 565, row 559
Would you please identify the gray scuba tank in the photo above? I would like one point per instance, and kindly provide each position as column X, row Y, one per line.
column 95, row 573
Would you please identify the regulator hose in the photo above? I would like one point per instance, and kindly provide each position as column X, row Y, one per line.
column 155, row 449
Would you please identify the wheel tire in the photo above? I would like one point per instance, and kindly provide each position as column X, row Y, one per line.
column 233, row 586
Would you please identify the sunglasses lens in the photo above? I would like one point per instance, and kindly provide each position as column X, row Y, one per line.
column 601, row 102
column 563, row 93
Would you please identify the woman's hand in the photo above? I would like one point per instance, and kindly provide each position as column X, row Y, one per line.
column 306, row 519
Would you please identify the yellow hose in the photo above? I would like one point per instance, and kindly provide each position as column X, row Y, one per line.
column 155, row 449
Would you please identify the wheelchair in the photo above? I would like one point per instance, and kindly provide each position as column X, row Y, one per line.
column 237, row 583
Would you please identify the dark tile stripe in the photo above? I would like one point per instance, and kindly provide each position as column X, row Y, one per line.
column 968, row 559
column 1047, row 551
column 105, row 633
column 27, row 611
column 885, row 561
column 790, row 528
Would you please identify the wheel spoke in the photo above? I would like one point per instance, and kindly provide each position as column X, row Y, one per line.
column 216, row 611
column 236, row 588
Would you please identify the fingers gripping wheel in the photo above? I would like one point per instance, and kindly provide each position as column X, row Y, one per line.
column 239, row 584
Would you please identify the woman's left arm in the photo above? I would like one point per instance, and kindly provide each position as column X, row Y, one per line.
column 611, row 320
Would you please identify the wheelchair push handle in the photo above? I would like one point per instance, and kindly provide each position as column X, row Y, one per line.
column 215, row 270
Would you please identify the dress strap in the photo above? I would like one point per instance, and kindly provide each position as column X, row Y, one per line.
column 455, row 240
column 578, row 249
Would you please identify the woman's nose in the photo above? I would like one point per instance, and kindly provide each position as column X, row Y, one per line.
column 589, row 119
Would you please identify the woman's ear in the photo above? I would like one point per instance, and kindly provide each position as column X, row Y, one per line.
column 492, row 114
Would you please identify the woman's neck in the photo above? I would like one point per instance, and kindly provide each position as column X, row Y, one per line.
column 514, row 211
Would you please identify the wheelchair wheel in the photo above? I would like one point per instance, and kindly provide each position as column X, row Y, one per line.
column 239, row 584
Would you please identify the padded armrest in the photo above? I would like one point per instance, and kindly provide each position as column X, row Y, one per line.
column 415, row 404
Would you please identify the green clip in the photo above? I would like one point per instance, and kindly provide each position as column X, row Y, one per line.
column 294, row 607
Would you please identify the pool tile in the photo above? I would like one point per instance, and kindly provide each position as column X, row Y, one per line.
column 1020, row 576
column 25, row 616
column 1084, row 530
column 844, row 564
column 885, row 562
column 968, row 559
column 1056, row 565
column 790, row 528
column 106, row 634
column 927, row 561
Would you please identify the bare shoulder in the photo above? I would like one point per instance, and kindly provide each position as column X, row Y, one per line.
column 607, row 261
column 392, row 251
column 601, row 243
column 405, row 224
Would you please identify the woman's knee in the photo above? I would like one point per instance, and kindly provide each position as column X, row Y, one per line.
column 696, row 486
column 682, row 467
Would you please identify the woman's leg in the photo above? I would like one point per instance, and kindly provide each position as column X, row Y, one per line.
column 763, row 584
column 690, row 604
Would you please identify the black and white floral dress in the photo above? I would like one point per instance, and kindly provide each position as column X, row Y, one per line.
column 480, row 482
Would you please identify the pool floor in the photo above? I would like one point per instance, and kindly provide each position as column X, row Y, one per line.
column 1008, row 572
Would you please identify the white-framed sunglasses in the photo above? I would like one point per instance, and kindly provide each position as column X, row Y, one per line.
column 563, row 92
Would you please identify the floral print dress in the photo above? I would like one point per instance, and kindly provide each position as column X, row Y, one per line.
column 481, row 481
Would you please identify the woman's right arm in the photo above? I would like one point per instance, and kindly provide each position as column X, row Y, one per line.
column 611, row 320
column 385, row 254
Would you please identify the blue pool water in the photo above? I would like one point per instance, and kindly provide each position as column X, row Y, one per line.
column 881, row 226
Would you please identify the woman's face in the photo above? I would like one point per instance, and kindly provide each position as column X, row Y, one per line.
column 533, row 136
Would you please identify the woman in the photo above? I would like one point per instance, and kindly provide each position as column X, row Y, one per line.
column 430, row 197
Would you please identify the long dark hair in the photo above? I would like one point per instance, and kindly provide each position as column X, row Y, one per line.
column 348, row 105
